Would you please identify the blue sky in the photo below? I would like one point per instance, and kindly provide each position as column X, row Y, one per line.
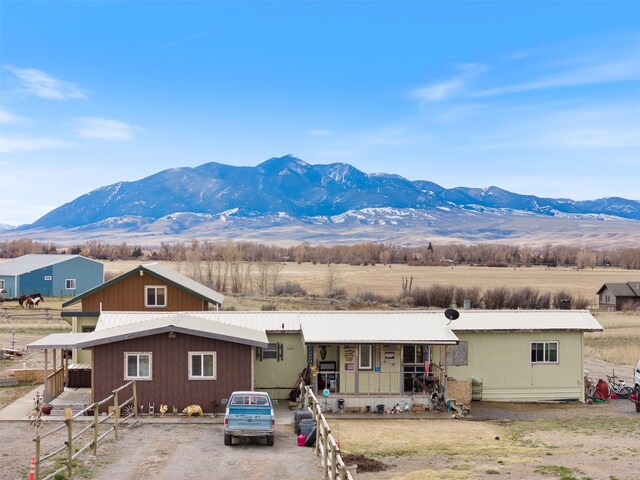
column 538, row 98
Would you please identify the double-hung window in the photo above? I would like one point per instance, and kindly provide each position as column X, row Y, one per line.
column 364, row 362
column 202, row 365
column 155, row 296
column 137, row 366
column 544, row 352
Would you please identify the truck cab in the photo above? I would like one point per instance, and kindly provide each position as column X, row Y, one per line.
column 249, row 414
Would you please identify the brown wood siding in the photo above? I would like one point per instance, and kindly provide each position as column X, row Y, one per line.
column 127, row 295
column 170, row 384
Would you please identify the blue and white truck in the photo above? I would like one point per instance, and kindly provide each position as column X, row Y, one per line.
column 249, row 414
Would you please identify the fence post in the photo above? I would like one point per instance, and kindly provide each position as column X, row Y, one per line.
column 343, row 472
column 135, row 400
column 334, row 470
column 69, row 444
column 115, row 412
column 96, row 406
column 316, row 413
column 37, row 455
column 325, row 452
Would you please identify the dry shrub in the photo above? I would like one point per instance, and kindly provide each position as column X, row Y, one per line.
column 337, row 292
column 563, row 300
column 268, row 307
column 420, row 297
column 372, row 297
column 440, row 296
column 630, row 306
column 496, row 298
column 111, row 275
column 580, row 302
column 289, row 288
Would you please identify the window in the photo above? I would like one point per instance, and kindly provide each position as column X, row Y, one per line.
column 70, row 284
column 271, row 351
column 1, row 284
column 202, row 365
column 155, row 296
column 365, row 357
column 544, row 352
column 48, row 277
column 88, row 328
column 137, row 366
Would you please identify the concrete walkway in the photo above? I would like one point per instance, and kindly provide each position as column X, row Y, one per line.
column 19, row 410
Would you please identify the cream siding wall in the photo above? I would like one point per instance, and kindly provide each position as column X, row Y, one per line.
column 82, row 356
column 385, row 381
column 277, row 377
column 503, row 362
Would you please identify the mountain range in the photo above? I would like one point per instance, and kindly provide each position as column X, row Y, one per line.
column 286, row 192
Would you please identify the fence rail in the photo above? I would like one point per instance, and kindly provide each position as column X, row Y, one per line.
column 333, row 466
column 114, row 415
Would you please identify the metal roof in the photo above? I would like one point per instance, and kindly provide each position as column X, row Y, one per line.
column 31, row 262
column 57, row 340
column 264, row 321
column 180, row 323
column 376, row 327
column 629, row 289
column 525, row 320
column 167, row 274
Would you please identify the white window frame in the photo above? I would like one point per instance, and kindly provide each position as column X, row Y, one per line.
column 270, row 352
column 155, row 287
column 47, row 278
column 545, row 360
column 1, row 284
column 137, row 377
column 201, row 355
column 69, row 283
column 368, row 357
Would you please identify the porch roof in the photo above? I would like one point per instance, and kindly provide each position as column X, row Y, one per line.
column 57, row 340
column 376, row 327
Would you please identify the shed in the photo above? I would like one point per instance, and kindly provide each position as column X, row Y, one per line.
column 50, row 275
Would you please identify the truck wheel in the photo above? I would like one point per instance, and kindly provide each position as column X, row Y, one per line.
column 638, row 398
column 228, row 439
column 270, row 440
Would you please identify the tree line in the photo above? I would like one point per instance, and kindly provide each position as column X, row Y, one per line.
column 493, row 255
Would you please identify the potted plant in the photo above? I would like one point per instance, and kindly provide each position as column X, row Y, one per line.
column 46, row 408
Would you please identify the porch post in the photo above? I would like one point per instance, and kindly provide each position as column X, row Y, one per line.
column 446, row 376
column 45, row 393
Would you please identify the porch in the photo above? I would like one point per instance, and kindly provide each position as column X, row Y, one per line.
column 76, row 399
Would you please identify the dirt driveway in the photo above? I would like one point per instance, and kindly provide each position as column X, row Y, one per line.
column 170, row 451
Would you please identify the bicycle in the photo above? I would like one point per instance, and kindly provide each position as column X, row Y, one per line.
column 620, row 388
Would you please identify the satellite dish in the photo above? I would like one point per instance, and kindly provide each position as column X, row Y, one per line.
column 451, row 314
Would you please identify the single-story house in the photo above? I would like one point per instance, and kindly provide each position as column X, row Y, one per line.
column 50, row 275
column 614, row 296
column 150, row 287
column 363, row 357
column 177, row 360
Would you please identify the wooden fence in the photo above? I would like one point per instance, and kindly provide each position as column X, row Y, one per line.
column 333, row 466
column 97, row 437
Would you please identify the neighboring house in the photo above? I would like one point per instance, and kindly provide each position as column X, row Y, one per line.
column 150, row 287
column 615, row 296
column 362, row 358
column 50, row 275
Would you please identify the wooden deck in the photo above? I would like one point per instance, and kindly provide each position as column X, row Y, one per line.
column 74, row 398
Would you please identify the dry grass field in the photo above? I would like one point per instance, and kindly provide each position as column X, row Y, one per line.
column 387, row 279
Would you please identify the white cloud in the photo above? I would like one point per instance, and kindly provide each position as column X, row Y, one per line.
column 444, row 90
column 8, row 117
column 105, row 129
column 31, row 144
column 41, row 84
column 319, row 132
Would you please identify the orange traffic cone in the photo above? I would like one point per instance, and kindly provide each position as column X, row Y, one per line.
column 32, row 469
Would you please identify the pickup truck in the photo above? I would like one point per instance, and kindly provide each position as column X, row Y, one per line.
column 249, row 414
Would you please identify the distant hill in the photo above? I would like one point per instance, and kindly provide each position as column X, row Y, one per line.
column 286, row 193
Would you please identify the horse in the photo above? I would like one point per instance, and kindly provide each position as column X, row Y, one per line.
column 32, row 302
column 33, row 297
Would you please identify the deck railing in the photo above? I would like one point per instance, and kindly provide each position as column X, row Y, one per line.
column 97, row 436
column 54, row 385
column 333, row 466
